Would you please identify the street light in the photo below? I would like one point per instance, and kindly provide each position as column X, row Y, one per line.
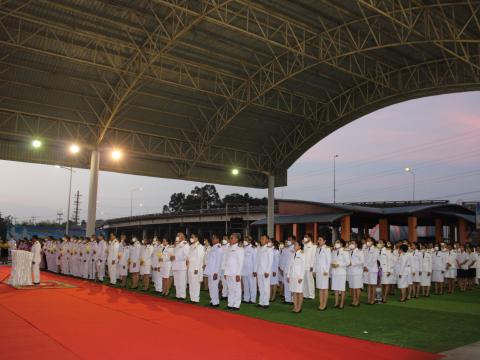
column 131, row 199
column 410, row 170
column 334, row 178
column 67, row 226
column 235, row 172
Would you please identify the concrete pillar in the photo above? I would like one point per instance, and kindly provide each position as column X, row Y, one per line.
column 334, row 234
column 144, row 233
column 384, row 229
column 315, row 231
column 438, row 230
column 295, row 230
column 271, row 205
column 462, row 231
column 278, row 232
column 345, row 228
column 412, row 229
column 92, row 192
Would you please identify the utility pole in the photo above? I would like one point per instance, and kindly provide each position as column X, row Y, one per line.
column 76, row 204
column 59, row 217
column 334, row 179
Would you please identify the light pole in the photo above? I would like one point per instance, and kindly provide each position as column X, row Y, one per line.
column 334, row 178
column 131, row 199
column 410, row 170
column 67, row 226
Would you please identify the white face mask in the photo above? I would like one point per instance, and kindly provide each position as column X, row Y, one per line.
column 337, row 246
column 177, row 239
column 380, row 246
column 281, row 246
column 192, row 240
column 351, row 246
column 269, row 244
column 435, row 248
column 245, row 243
column 224, row 242
column 369, row 243
column 289, row 243
column 305, row 240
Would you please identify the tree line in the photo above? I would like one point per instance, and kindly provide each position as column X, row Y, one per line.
column 207, row 197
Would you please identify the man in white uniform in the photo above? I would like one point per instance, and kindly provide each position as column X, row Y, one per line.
column 213, row 269
column 309, row 250
column 112, row 258
column 196, row 253
column 323, row 261
column 179, row 266
column 248, row 279
column 37, row 257
column 370, row 270
column 263, row 268
column 233, row 272
column 101, row 257
column 288, row 252
column 222, row 277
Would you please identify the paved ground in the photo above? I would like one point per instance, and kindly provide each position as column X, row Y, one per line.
column 469, row 352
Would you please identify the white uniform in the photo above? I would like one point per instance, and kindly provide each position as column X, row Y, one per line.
column 308, row 283
column 274, row 278
column 146, row 259
column 179, row 268
column 101, row 258
column 321, row 268
column 135, row 257
column 355, row 270
column 233, row 267
column 451, row 265
column 477, row 266
column 403, row 270
column 92, row 265
column 340, row 257
column 438, row 266
column 196, row 255
column 166, row 264
column 157, row 260
column 371, row 258
column 124, row 254
column 416, row 265
column 223, row 279
column 386, row 264
column 112, row 260
column 296, row 271
column 37, row 257
column 249, row 281
column 263, row 268
column 426, row 277
column 213, row 269
column 285, row 259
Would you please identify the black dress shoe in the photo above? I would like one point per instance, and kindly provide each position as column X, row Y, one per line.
column 215, row 306
column 229, row 308
column 235, row 309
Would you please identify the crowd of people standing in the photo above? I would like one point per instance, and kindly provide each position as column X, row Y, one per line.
column 244, row 270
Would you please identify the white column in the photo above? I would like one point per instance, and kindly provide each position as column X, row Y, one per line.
column 92, row 192
column 271, row 206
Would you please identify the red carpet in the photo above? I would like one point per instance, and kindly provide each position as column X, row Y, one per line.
column 98, row 322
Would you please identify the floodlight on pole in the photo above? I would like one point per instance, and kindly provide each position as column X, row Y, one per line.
column 235, row 172
column 410, row 170
column 70, row 169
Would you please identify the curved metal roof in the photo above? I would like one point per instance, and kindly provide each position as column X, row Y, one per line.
column 191, row 89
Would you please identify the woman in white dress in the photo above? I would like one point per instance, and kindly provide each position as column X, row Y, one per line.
column 274, row 273
column 157, row 258
column 403, row 271
column 146, row 263
column 296, row 275
column 321, row 269
column 355, row 272
column 426, row 274
column 166, row 267
column 123, row 260
column 386, row 264
column 451, row 268
column 340, row 261
column 135, row 261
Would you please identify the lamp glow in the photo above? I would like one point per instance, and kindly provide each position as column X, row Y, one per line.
column 74, row 148
column 36, row 144
column 116, row 154
column 235, row 172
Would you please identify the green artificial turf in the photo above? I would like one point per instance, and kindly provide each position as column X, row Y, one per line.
column 433, row 324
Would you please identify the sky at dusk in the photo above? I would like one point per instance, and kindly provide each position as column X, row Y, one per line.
column 438, row 137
